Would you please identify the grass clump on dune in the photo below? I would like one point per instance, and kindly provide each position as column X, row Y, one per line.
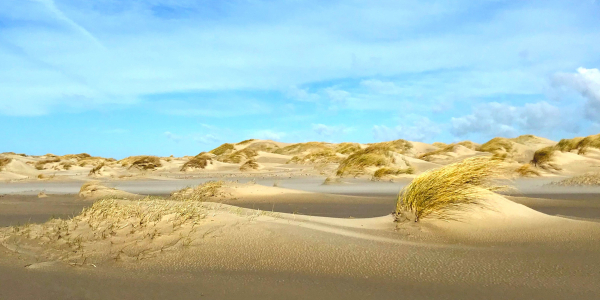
column 496, row 144
column 201, row 192
column 441, row 192
column 347, row 148
column 199, row 161
column 4, row 161
column 527, row 170
column 246, row 141
column 238, row 156
column 543, row 157
column 299, row 148
column 143, row 162
column 446, row 149
column 376, row 155
column 40, row 165
column 392, row 171
column 95, row 170
column 222, row 149
column 322, row 156
column 250, row 164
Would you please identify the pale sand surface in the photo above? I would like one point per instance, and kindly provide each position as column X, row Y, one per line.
column 510, row 252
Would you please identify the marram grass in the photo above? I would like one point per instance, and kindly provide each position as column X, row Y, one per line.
column 440, row 193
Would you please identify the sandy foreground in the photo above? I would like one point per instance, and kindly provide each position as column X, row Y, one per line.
column 304, row 244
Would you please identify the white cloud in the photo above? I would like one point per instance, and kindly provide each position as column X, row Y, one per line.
column 586, row 82
column 268, row 135
column 381, row 87
column 419, row 129
column 498, row 119
column 329, row 131
column 301, row 94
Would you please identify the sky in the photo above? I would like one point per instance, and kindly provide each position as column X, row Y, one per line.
column 176, row 77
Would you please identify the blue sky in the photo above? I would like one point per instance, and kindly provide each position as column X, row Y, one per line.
column 118, row 78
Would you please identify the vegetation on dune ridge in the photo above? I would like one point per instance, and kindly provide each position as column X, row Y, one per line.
column 589, row 179
column 202, row 192
column 144, row 162
column 250, row 164
column 376, row 155
column 527, row 170
column 238, row 156
column 525, row 139
column 199, row 161
column 40, row 165
column 322, row 156
column 222, row 149
column 495, row 145
column 246, row 141
column 265, row 146
column 543, row 157
column 439, row 144
column 96, row 170
column 4, row 161
column 446, row 149
column 440, row 193
column 299, row 148
column 582, row 144
column 347, row 148
column 400, row 145
column 392, row 171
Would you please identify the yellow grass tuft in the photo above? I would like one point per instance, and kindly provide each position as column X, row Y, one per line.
column 543, row 157
column 144, row 162
column 238, row 156
column 246, row 141
column 392, row 171
column 223, row 149
column 4, row 161
column 201, row 192
column 377, row 155
column 441, row 192
column 199, row 161
column 299, row 148
column 250, row 164
column 321, row 156
column 40, row 165
column 95, row 170
column 447, row 148
column 347, row 148
column 527, row 170
column 496, row 144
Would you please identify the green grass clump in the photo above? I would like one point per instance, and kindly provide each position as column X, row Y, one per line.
column 496, row 144
column 250, row 164
column 442, row 192
column 238, row 156
column 4, row 161
column 42, row 163
column 199, row 161
column 222, row 149
column 377, row 155
column 447, row 148
column 246, row 141
column 543, row 156
column 321, row 156
column 299, row 148
column 392, row 171
column 143, row 162
column 347, row 148
column 527, row 170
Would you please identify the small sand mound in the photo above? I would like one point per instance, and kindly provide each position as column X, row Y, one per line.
column 199, row 161
column 249, row 165
column 95, row 190
column 4, row 161
column 211, row 190
column 590, row 179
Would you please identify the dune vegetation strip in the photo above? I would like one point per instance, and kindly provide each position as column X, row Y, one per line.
column 199, row 161
column 4, row 161
column 392, row 171
column 323, row 156
column 142, row 162
column 444, row 149
column 237, row 157
column 443, row 192
column 590, row 179
column 376, row 155
column 203, row 192
column 223, row 149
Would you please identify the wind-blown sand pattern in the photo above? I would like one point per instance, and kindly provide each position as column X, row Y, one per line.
column 276, row 219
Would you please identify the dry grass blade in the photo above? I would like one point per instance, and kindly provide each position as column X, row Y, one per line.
column 441, row 192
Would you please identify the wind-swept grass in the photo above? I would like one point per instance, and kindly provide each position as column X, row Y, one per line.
column 495, row 145
column 250, row 164
column 543, row 156
column 392, row 171
column 527, row 170
column 4, row 161
column 441, row 192
column 199, row 161
column 322, row 156
column 376, row 155
column 222, row 149
column 446, row 149
column 144, row 162
column 238, row 156
column 95, row 170
column 299, row 148
column 347, row 148
column 40, row 165
column 244, row 142
column 201, row 192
